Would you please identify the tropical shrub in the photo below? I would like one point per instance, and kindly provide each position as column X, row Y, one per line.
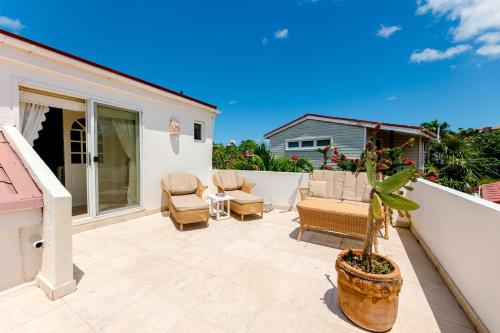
column 290, row 164
column 250, row 155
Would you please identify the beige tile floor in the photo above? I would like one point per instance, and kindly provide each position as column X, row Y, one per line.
column 144, row 275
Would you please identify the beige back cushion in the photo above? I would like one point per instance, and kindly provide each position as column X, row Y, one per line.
column 180, row 183
column 317, row 188
column 334, row 182
column 363, row 188
column 229, row 179
column 349, row 190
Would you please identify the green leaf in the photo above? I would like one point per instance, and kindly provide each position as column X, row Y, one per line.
column 395, row 182
column 398, row 202
column 376, row 206
column 370, row 171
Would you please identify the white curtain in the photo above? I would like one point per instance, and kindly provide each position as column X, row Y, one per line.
column 125, row 130
column 32, row 116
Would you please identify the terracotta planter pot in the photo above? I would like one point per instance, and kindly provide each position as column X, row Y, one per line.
column 369, row 300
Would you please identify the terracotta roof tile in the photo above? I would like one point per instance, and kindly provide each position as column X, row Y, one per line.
column 491, row 192
column 17, row 188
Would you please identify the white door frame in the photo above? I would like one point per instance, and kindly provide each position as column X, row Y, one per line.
column 92, row 169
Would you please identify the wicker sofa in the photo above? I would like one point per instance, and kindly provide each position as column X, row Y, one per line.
column 184, row 193
column 335, row 201
column 233, row 183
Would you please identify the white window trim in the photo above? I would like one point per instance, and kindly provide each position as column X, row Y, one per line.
column 202, row 125
column 308, row 138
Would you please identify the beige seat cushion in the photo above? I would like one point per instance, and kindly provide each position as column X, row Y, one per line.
column 180, row 183
column 229, row 179
column 317, row 188
column 244, row 197
column 188, row 202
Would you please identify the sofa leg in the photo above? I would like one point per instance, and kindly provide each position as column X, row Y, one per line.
column 300, row 234
column 242, row 217
column 182, row 226
column 262, row 215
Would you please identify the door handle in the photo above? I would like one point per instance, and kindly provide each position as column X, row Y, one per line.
column 95, row 159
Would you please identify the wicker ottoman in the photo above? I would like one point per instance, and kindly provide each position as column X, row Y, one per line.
column 339, row 217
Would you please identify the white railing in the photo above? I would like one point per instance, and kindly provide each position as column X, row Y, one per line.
column 463, row 234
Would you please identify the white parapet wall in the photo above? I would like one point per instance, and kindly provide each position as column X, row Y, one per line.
column 463, row 234
column 55, row 277
column 281, row 189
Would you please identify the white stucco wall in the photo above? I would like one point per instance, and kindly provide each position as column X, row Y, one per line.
column 463, row 233
column 161, row 153
column 279, row 188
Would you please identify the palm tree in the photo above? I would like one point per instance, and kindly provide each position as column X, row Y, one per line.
column 437, row 127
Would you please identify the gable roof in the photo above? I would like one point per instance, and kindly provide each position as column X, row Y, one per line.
column 415, row 130
column 108, row 69
column 17, row 188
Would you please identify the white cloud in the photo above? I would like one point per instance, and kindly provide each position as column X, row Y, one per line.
column 386, row 32
column 265, row 41
column 428, row 55
column 281, row 34
column 392, row 98
column 11, row 24
column 475, row 20
column 232, row 102
column 489, row 50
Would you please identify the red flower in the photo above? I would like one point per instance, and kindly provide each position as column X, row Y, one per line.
column 409, row 162
column 369, row 144
column 335, row 151
column 356, row 161
column 244, row 153
column 361, row 168
column 377, row 127
column 379, row 151
column 335, row 159
column 294, row 157
column 342, row 157
column 326, row 149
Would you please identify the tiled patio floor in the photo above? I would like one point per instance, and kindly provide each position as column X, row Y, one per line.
column 146, row 276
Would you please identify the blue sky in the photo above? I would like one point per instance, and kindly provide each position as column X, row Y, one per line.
column 267, row 62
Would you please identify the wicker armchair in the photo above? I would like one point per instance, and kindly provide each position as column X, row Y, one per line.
column 233, row 183
column 184, row 193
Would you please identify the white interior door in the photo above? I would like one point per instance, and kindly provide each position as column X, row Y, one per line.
column 75, row 156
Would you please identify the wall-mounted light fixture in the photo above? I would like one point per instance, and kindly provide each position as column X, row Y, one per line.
column 174, row 127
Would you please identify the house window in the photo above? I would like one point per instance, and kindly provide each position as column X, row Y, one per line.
column 77, row 142
column 322, row 142
column 308, row 143
column 198, row 131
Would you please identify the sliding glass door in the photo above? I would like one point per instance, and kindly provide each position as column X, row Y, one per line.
column 116, row 158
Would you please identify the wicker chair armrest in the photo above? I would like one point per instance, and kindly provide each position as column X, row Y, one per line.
column 304, row 192
column 220, row 189
column 247, row 187
column 201, row 188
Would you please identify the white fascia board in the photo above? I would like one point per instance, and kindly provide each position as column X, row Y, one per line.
column 35, row 50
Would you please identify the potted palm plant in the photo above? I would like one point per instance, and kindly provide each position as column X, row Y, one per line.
column 368, row 283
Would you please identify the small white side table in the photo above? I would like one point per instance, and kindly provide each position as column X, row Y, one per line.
column 217, row 206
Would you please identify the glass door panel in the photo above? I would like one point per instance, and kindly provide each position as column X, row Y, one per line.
column 116, row 158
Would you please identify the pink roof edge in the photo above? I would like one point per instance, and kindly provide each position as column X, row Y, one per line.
column 491, row 192
column 18, row 191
